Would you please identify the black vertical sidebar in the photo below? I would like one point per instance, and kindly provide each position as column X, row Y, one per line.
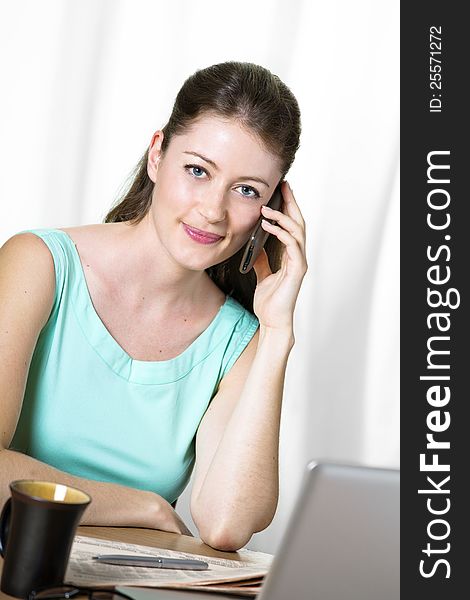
column 435, row 337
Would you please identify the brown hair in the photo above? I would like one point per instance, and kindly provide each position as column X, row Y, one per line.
column 261, row 103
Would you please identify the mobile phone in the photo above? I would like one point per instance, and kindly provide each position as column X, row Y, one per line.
column 259, row 235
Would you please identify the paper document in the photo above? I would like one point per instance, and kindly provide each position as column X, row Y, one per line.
column 82, row 570
column 226, row 588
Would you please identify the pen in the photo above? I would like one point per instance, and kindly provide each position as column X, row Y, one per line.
column 157, row 562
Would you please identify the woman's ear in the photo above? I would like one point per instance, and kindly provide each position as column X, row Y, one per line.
column 154, row 154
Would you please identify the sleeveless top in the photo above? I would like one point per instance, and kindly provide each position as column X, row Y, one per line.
column 91, row 410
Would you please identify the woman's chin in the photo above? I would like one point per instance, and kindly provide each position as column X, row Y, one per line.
column 198, row 265
column 193, row 263
column 199, row 260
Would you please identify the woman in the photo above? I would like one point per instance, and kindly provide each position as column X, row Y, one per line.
column 133, row 351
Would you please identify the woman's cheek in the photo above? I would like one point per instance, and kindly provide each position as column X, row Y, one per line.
column 246, row 217
column 248, row 227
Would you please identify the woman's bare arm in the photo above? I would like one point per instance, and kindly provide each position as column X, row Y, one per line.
column 235, row 490
column 27, row 286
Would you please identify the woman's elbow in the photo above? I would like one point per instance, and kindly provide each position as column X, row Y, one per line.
column 226, row 540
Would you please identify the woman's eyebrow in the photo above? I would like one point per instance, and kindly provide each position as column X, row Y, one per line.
column 211, row 162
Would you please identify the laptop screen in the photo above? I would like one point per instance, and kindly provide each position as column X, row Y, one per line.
column 342, row 540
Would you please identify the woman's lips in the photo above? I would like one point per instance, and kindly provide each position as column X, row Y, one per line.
column 202, row 237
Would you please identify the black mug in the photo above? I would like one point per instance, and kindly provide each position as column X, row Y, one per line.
column 37, row 528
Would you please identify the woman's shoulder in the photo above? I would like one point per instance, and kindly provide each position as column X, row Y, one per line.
column 93, row 236
column 96, row 244
column 25, row 255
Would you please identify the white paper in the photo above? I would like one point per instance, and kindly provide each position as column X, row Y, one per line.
column 82, row 570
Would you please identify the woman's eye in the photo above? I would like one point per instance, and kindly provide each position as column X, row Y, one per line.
column 198, row 172
column 195, row 170
column 251, row 192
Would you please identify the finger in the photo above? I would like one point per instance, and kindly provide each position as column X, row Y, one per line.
column 286, row 222
column 261, row 266
column 293, row 248
column 291, row 205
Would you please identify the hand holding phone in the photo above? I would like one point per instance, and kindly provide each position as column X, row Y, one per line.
column 259, row 236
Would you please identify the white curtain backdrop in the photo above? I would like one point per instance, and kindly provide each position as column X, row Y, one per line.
column 84, row 85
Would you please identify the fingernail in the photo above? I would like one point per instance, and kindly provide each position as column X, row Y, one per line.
column 268, row 208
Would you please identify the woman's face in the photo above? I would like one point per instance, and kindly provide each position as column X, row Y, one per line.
column 213, row 179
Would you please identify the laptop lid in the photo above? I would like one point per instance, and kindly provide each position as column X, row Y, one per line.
column 342, row 540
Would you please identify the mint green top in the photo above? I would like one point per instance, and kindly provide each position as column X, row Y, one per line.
column 91, row 410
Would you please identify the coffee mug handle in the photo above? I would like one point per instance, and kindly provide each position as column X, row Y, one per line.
column 4, row 526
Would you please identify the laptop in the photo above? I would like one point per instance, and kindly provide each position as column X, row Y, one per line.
column 341, row 542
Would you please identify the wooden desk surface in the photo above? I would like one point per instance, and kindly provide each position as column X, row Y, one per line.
column 157, row 539
column 150, row 537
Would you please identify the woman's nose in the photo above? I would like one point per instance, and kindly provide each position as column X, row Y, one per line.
column 213, row 208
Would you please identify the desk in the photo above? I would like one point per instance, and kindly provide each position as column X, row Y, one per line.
column 158, row 539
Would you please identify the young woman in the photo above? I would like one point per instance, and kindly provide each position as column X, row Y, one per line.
column 133, row 351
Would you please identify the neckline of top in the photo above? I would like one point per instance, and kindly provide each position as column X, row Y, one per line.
column 85, row 302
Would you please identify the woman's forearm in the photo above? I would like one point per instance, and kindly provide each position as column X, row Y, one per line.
column 112, row 504
column 240, row 490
